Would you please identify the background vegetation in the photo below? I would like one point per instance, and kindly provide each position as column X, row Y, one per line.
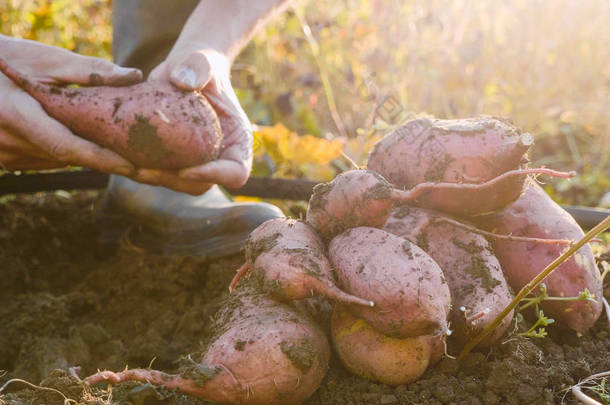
column 331, row 76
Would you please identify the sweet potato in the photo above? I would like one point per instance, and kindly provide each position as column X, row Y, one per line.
column 535, row 214
column 409, row 290
column 465, row 153
column 372, row 355
column 353, row 198
column 286, row 258
column 151, row 124
column 479, row 291
column 364, row 198
column 264, row 353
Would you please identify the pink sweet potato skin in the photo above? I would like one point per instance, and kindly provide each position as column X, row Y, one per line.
column 535, row 214
column 276, row 353
column 372, row 355
column 409, row 290
column 152, row 124
column 471, row 269
column 287, row 259
column 454, row 151
column 354, row 198
column 263, row 353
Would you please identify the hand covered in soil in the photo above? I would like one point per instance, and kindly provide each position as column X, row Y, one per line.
column 31, row 139
column 208, row 71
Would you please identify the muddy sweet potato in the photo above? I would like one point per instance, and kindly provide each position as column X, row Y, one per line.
column 479, row 291
column 484, row 158
column 377, row 357
column 263, row 353
column 153, row 125
column 409, row 290
column 353, row 198
column 535, row 214
column 287, row 259
column 365, row 198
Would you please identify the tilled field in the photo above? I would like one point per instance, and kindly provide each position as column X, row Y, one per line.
column 67, row 301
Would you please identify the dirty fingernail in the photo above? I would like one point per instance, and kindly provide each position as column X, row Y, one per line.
column 125, row 75
column 125, row 71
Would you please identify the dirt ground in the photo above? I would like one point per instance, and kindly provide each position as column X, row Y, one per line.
column 65, row 301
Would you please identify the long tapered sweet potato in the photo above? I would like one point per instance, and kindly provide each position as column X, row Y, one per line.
column 375, row 356
column 263, row 353
column 287, row 259
column 535, row 214
column 151, row 124
column 409, row 290
column 464, row 152
column 364, row 198
column 479, row 291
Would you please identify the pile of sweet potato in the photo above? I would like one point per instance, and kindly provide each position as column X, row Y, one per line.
column 401, row 249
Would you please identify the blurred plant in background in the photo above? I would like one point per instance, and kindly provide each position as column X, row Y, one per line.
column 340, row 73
column 82, row 26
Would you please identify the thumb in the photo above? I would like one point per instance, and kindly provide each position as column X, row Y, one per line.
column 193, row 73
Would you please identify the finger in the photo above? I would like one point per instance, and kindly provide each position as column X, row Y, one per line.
column 12, row 161
column 60, row 144
column 90, row 71
column 193, row 73
column 228, row 173
column 236, row 128
column 171, row 180
column 12, row 143
column 53, row 64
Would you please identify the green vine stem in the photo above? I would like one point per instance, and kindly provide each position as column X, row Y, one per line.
column 529, row 287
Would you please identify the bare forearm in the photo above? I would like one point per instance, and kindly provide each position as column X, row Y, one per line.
column 227, row 25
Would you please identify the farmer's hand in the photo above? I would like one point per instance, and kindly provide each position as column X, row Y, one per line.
column 201, row 60
column 29, row 138
column 207, row 70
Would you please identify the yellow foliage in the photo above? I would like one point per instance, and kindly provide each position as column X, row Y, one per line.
column 297, row 156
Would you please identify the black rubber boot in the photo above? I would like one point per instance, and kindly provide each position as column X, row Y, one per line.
column 162, row 221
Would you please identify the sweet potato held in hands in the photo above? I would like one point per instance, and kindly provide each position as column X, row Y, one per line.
column 153, row 125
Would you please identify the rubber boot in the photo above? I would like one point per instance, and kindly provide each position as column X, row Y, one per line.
column 162, row 221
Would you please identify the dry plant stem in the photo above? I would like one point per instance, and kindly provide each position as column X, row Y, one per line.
column 606, row 267
column 525, row 291
column 607, row 308
column 412, row 194
column 38, row 387
column 328, row 91
column 349, row 160
column 585, row 399
column 499, row 236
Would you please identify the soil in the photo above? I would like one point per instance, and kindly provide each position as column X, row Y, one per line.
column 66, row 300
